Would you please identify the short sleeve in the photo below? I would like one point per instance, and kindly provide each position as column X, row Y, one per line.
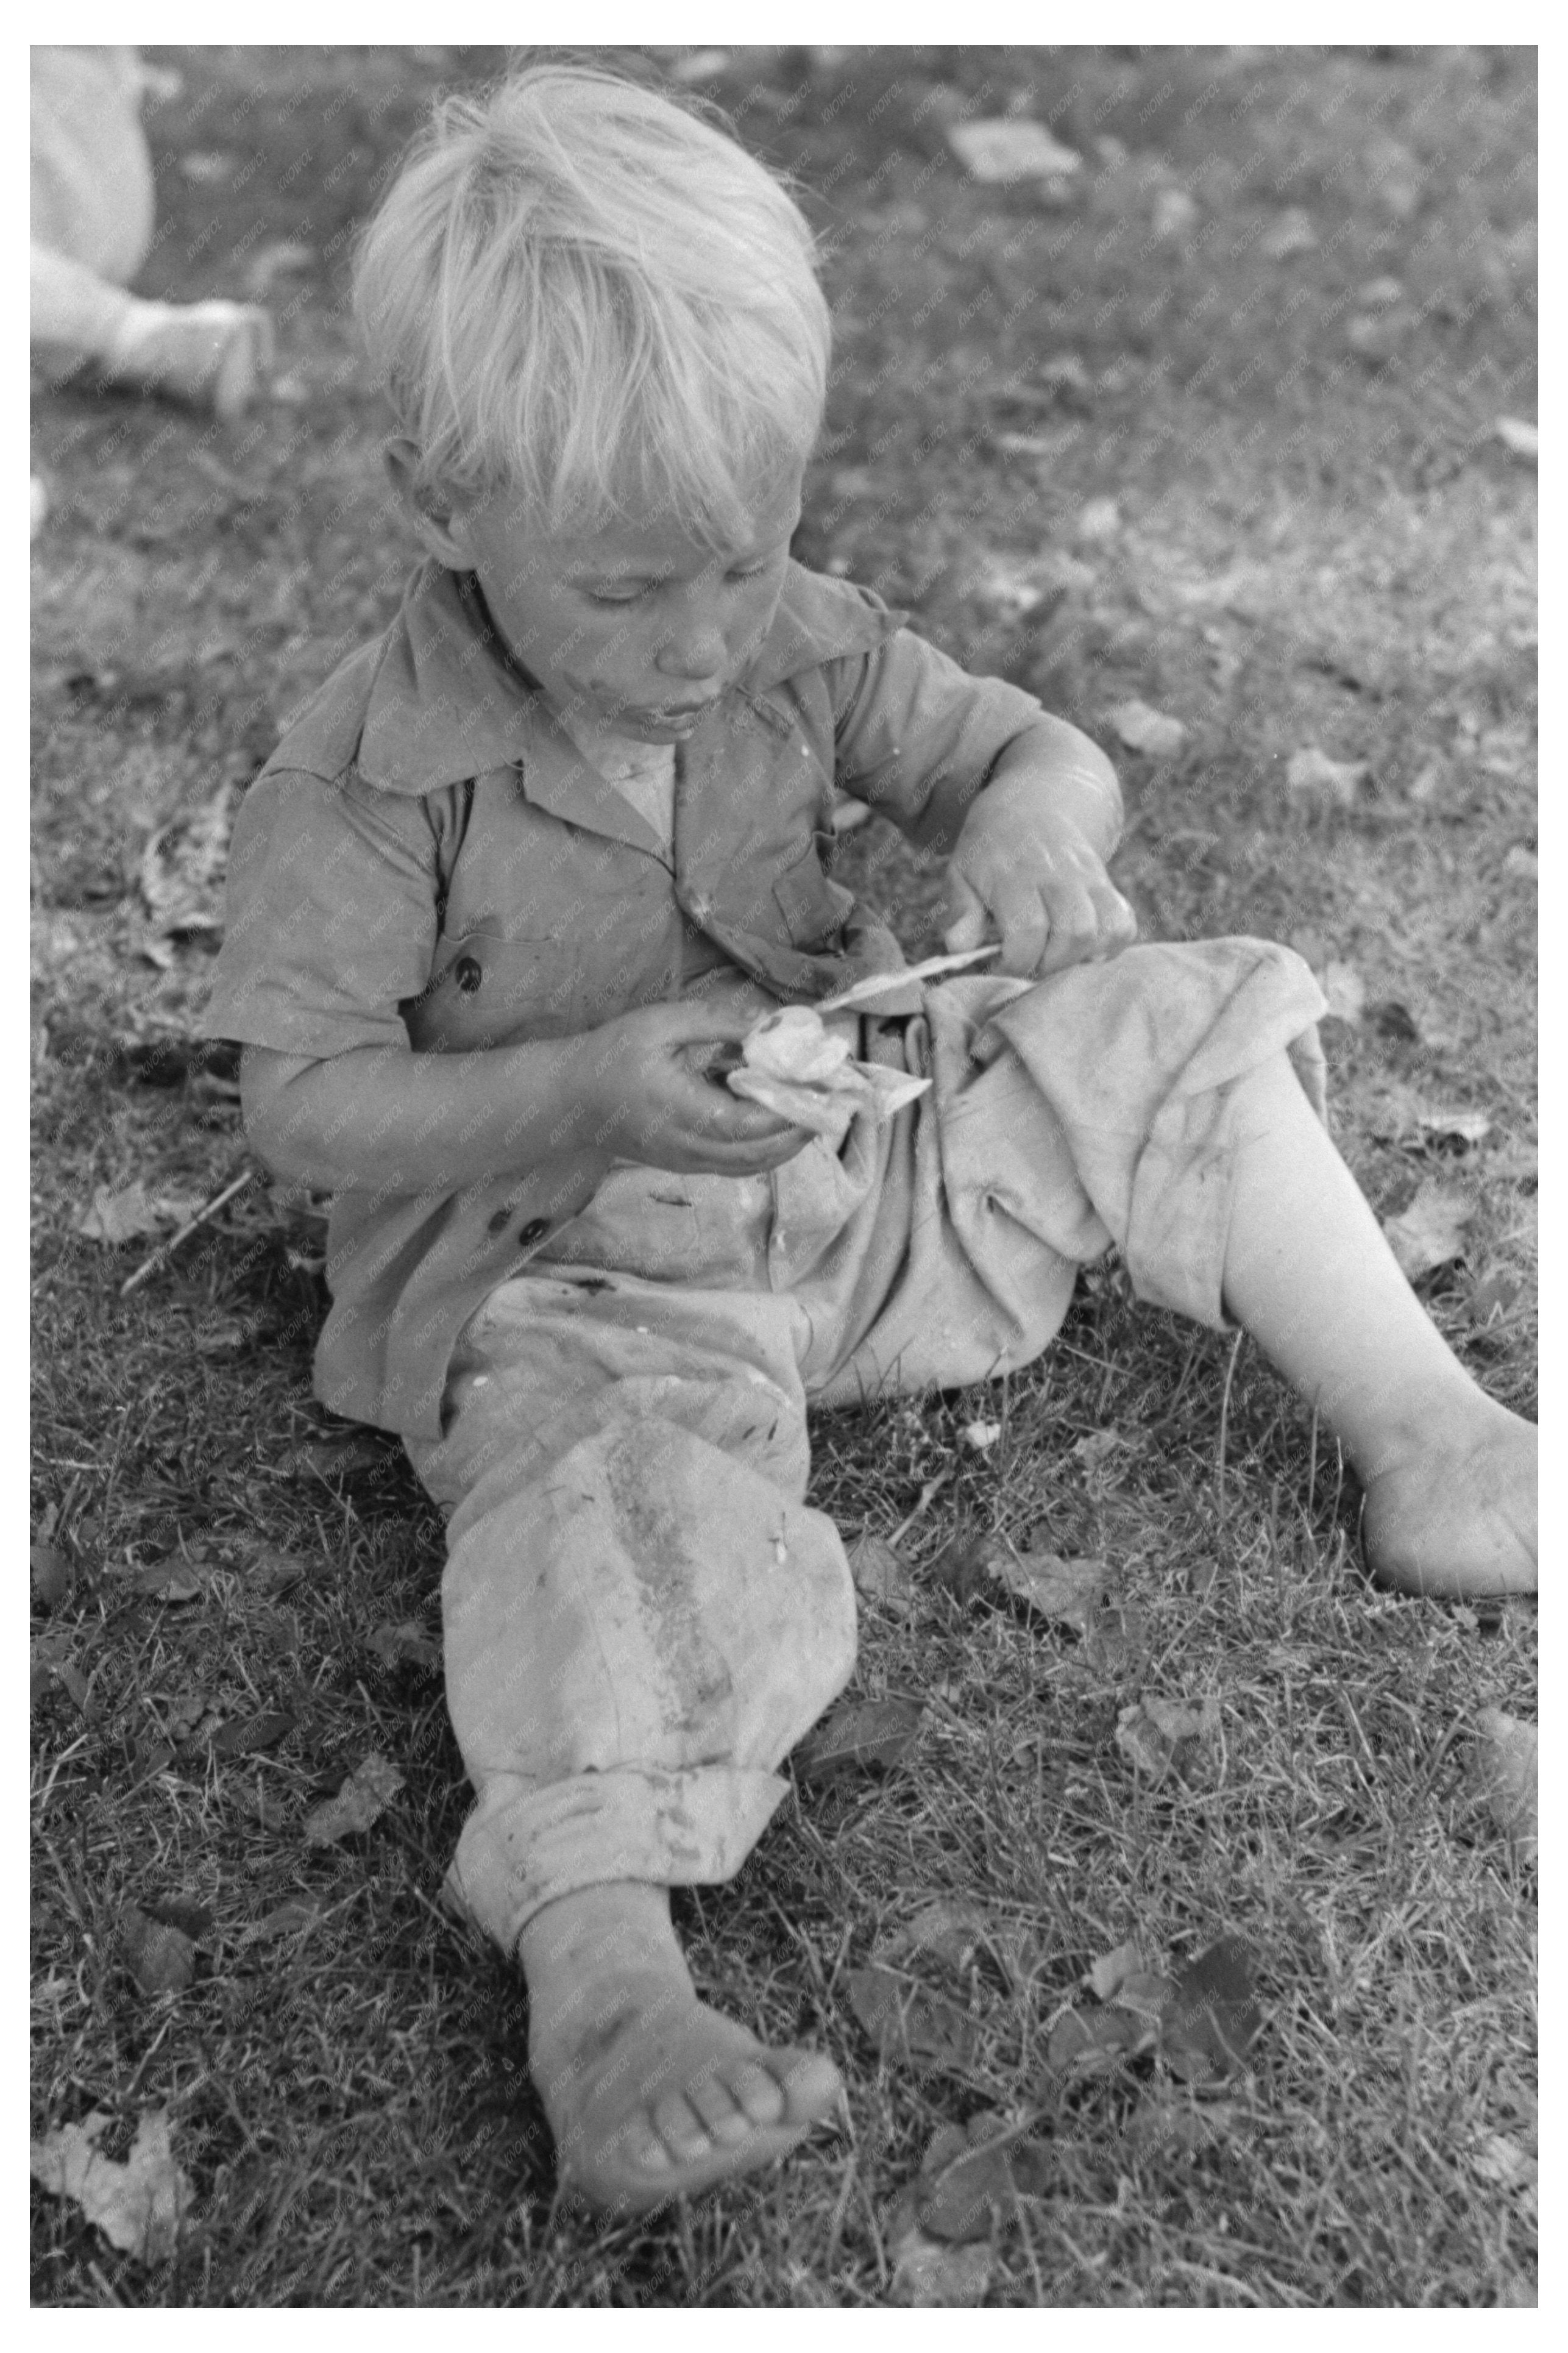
column 332, row 915
column 916, row 736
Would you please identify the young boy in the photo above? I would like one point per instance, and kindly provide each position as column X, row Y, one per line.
column 517, row 874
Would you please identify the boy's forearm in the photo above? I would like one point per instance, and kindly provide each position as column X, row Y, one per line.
column 413, row 1123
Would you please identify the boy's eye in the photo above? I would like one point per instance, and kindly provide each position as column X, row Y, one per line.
column 634, row 594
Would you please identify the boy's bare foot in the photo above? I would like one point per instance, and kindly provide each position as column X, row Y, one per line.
column 1456, row 1516
column 216, row 354
column 651, row 2096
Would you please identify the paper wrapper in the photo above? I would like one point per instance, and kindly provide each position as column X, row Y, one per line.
column 794, row 1066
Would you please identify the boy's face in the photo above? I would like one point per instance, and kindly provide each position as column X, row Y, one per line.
column 637, row 627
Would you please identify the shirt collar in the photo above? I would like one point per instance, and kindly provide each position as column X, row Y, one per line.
column 447, row 703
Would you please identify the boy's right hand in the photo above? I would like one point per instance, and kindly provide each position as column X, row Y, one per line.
column 649, row 1099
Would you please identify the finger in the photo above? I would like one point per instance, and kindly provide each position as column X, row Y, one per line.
column 1117, row 924
column 1026, row 927
column 968, row 925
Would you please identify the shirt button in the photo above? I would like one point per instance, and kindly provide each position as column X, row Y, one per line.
column 468, row 976
column 534, row 1232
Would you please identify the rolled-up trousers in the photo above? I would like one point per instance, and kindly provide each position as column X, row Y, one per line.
column 641, row 1614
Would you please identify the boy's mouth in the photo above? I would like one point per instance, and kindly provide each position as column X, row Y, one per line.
column 678, row 718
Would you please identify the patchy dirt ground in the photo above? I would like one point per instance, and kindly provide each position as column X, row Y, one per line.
column 1207, row 424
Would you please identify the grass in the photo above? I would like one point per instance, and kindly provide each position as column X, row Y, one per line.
column 1318, row 541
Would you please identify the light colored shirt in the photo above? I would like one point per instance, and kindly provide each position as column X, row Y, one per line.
column 429, row 862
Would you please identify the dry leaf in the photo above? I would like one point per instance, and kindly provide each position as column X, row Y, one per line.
column 1152, row 1732
column 139, row 2205
column 954, row 1933
column 1107, row 1973
column 1092, row 1450
column 1310, row 775
column 968, row 1563
column 859, row 1736
column 362, row 1799
column 1011, row 147
column 980, row 1436
column 119, row 1214
column 1289, row 233
column 928, row 2272
column 51, row 1575
column 1092, row 2042
column 291, row 1919
column 171, row 1579
column 1506, row 1765
column 1115, row 1636
column 406, row 1641
column 910, row 2027
column 251, row 1733
column 880, row 1574
column 1519, row 439
column 1214, row 2020
column 1430, row 1233
column 269, row 1572
column 332, row 1458
column 1068, row 1591
column 1144, row 729
column 1146, row 1994
column 973, row 2176
column 255, row 1798
column 161, row 1957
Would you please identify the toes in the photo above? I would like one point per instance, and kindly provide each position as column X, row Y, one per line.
column 758, row 2092
column 811, row 2087
column 680, row 2128
column 715, row 2105
column 637, row 2148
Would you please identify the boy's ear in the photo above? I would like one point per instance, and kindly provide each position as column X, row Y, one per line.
column 440, row 532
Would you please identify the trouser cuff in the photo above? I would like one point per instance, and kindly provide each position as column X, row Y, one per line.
column 523, row 1846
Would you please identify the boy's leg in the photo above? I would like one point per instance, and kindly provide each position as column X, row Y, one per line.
column 1152, row 1101
column 1449, row 1474
column 215, row 355
column 641, row 1618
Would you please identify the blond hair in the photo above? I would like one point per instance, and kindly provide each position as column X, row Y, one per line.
column 578, row 291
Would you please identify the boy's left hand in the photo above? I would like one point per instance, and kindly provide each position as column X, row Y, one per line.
column 1040, row 888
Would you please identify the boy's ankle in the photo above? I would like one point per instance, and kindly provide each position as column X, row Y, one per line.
column 606, row 1928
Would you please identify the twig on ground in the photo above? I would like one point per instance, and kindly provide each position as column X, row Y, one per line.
column 926, row 1491
column 166, row 1250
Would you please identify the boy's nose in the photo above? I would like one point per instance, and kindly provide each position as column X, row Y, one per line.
column 694, row 648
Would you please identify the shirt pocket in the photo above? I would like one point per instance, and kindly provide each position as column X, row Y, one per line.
column 489, row 990
column 814, row 909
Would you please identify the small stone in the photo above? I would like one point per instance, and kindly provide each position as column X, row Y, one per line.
column 1176, row 214
column 1289, row 233
column 1003, row 149
column 1099, row 520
